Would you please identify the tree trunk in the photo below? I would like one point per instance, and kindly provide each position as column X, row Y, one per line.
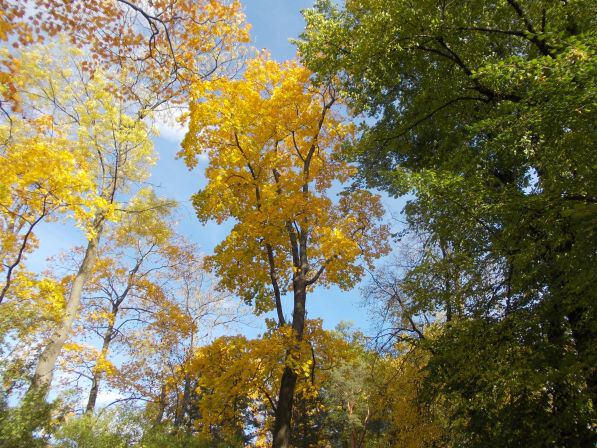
column 44, row 372
column 284, row 409
column 584, row 333
column 283, row 415
column 93, row 394
column 95, row 382
column 182, row 410
column 161, row 406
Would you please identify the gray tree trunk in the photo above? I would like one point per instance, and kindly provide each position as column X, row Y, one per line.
column 44, row 372
column 97, row 376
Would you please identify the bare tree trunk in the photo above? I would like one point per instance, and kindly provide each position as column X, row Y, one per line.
column 44, row 372
column 283, row 415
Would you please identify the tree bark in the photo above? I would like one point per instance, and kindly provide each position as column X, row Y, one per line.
column 182, row 409
column 95, row 382
column 44, row 371
column 161, row 406
column 584, row 333
column 283, row 414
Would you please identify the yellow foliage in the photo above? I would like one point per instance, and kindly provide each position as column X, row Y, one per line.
column 273, row 140
column 65, row 151
column 237, row 374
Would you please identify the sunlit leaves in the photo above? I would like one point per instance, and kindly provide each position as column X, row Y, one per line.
column 272, row 139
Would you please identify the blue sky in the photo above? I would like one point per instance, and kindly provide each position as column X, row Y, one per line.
column 273, row 23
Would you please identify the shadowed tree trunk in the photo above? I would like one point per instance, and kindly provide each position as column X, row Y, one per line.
column 283, row 413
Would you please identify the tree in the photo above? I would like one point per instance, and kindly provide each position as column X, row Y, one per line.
column 118, row 149
column 237, row 379
column 485, row 112
column 177, row 311
column 373, row 399
column 273, row 141
column 43, row 171
column 140, row 81
column 127, row 276
column 146, row 306
column 145, row 57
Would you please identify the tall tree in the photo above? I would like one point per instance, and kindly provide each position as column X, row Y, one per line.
column 485, row 110
column 119, row 151
column 43, row 170
column 148, row 56
column 177, row 310
column 167, row 44
column 272, row 139
column 139, row 250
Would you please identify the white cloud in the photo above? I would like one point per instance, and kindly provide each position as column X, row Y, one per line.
column 170, row 129
column 107, row 397
column 168, row 126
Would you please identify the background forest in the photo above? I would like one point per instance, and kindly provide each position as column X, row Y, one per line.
column 433, row 157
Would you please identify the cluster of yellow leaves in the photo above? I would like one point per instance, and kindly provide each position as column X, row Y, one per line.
column 147, row 217
column 273, row 141
column 75, row 355
column 39, row 302
column 66, row 150
column 104, row 366
column 397, row 384
column 40, row 172
column 238, row 375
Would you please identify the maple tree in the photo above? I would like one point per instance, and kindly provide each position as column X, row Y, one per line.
column 237, row 379
column 272, row 139
column 118, row 150
column 120, row 291
column 148, row 298
column 43, row 170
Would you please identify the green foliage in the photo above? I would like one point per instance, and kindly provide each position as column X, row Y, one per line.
column 501, row 384
column 27, row 425
column 485, row 111
column 163, row 436
column 91, row 431
column 124, row 428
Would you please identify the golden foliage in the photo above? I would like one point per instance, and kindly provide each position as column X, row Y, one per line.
column 273, row 140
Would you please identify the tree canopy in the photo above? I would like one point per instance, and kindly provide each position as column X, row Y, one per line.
column 117, row 328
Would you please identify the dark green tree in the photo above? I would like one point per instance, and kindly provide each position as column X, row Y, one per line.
column 485, row 110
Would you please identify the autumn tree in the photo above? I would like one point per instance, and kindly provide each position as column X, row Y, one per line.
column 272, row 139
column 43, row 171
column 129, row 274
column 148, row 299
column 118, row 150
column 148, row 56
column 166, row 44
column 179, row 310
column 237, row 381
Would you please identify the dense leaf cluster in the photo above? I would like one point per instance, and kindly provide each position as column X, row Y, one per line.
column 485, row 111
